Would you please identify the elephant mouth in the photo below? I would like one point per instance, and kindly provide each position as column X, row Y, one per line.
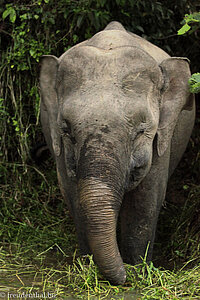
column 137, row 172
column 134, row 178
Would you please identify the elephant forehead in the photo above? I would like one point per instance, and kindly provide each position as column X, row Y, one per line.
column 92, row 80
column 90, row 63
column 102, row 104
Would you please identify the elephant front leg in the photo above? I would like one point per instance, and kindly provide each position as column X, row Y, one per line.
column 139, row 213
column 81, row 235
column 138, row 218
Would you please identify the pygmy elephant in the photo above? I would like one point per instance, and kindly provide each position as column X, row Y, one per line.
column 117, row 116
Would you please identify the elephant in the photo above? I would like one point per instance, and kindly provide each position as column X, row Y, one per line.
column 117, row 115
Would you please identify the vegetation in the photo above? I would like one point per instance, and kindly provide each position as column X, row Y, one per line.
column 38, row 249
column 194, row 21
column 194, row 83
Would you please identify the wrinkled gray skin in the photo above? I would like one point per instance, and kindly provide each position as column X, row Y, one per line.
column 117, row 116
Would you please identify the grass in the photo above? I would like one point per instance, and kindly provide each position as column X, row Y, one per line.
column 39, row 251
column 82, row 279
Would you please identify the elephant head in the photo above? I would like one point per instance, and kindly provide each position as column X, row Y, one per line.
column 103, row 102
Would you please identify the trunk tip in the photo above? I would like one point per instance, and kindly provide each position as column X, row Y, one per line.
column 119, row 278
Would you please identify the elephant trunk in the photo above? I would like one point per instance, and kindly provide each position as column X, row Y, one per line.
column 101, row 179
column 100, row 187
column 97, row 203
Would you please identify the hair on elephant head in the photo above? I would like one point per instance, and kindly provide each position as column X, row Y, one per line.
column 117, row 115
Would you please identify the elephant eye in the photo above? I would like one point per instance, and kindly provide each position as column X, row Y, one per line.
column 142, row 128
column 136, row 134
column 65, row 127
column 67, row 131
column 141, row 131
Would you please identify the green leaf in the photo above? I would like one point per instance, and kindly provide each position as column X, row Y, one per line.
column 194, row 83
column 32, row 52
column 79, row 21
column 52, row 21
column 192, row 18
column 6, row 13
column 185, row 187
column 10, row 11
column 24, row 17
column 195, row 88
column 140, row 28
column 75, row 38
column 13, row 16
column 196, row 77
column 185, row 28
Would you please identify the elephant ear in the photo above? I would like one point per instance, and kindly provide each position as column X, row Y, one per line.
column 175, row 98
column 49, row 100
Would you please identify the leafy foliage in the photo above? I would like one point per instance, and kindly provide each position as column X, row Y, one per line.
column 194, row 83
column 194, row 21
column 10, row 11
